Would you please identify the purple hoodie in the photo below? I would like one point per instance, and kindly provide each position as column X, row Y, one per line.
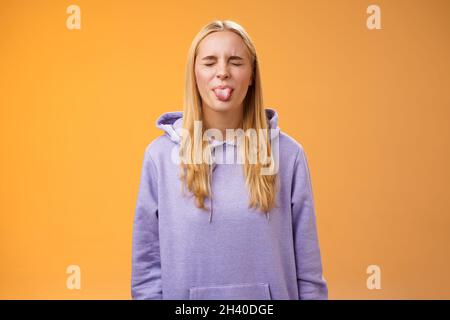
column 230, row 251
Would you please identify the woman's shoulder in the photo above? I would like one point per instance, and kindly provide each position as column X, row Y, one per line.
column 159, row 147
column 291, row 154
column 289, row 145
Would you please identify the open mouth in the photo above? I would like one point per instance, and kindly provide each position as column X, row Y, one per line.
column 223, row 94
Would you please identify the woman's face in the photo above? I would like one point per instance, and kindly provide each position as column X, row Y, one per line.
column 223, row 60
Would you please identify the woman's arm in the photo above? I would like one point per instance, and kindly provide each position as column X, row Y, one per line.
column 146, row 264
column 311, row 283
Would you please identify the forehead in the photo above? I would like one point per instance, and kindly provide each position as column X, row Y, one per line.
column 222, row 42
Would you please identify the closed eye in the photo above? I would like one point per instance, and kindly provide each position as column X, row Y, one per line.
column 234, row 64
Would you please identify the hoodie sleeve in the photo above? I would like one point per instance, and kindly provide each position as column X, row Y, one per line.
column 311, row 283
column 146, row 265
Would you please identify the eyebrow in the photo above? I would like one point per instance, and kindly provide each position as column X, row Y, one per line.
column 215, row 58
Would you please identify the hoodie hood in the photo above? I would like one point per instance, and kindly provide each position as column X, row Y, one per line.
column 171, row 123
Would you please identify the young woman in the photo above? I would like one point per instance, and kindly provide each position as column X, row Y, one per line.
column 210, row 221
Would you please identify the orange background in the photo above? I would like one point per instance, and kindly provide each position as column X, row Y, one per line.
column 78, row 107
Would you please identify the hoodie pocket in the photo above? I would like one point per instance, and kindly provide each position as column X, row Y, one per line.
column 246, row 291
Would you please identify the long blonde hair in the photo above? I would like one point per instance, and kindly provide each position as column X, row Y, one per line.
column 197, row 177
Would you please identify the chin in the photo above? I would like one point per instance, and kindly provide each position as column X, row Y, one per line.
column 222, row 106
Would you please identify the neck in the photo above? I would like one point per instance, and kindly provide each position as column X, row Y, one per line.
column 222, row 120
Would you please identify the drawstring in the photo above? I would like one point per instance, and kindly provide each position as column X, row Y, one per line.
column 210, row 190
column 210, row 184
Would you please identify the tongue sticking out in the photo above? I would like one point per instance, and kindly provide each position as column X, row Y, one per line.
column 223, row 94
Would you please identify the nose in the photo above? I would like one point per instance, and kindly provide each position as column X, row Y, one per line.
column 222, row 72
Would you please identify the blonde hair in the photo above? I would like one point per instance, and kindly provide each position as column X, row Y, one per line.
column 197, row 177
